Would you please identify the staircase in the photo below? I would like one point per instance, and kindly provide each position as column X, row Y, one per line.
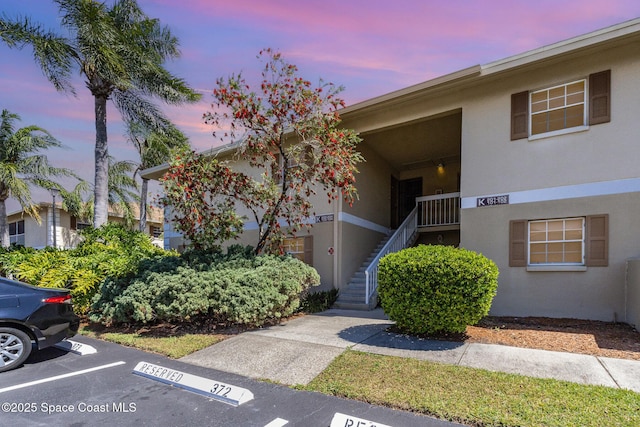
column 353, row 297
column 361, row 292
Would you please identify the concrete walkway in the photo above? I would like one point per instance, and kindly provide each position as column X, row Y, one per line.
column 296, row 351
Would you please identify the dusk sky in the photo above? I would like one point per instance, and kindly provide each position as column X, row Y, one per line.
column 371, row 47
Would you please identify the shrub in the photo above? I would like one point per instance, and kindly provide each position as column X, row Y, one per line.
column 110, row 250
column 236, row 288
column 316, row 302
column 436, row 289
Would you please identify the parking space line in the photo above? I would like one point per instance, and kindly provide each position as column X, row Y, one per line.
column 59, row 377
column 278, row 422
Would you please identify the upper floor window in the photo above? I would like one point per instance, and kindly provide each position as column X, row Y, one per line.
column 557, row 108
column 562, row 108
column 16, row 232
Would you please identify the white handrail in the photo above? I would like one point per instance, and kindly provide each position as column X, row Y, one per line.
column 400, row 239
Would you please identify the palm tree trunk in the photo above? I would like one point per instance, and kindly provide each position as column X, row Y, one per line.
column 4, row 225
column 143, row 204
column 101, row 183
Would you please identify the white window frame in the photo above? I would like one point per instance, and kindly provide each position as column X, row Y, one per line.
column 563, row 240
column 585, row 111
column 16, row 237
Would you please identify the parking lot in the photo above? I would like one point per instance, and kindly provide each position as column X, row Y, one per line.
column 124, row 386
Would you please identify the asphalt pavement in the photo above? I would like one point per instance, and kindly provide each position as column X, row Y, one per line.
column 296, row 351
column 121, row 386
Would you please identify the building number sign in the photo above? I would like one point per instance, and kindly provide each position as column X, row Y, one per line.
column 492, row 200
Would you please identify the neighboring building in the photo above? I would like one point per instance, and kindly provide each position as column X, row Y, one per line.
column 26, row 231
column 531, row 160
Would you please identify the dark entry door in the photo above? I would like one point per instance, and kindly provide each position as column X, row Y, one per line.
column 407, row 190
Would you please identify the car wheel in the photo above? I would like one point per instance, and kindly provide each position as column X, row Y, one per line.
column 15, row 347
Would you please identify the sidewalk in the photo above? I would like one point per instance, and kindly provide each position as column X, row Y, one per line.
column 296, row 351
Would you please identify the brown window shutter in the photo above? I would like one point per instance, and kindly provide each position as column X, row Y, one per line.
column 597, row 241
column 73, row 225
column 308, row 250
column 600, row 97
column 518, row 243
column 519, row 115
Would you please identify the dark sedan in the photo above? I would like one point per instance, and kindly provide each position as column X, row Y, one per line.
column 32, row 318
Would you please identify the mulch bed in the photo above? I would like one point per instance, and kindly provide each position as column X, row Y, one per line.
column 597, row 338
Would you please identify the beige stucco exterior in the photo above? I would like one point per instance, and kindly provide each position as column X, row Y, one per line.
column 40, row 234
column 632, row 292
column 462, row 121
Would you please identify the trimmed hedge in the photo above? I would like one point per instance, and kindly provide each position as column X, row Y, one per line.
column 436, row 289
column 236, row 288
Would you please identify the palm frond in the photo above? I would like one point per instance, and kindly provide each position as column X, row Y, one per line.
column 53, row 53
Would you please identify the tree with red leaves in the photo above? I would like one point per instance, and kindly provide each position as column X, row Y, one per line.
column 288, row 131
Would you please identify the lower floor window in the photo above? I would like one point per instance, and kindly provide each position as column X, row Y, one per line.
column 556, row 241
column 16, row 232
column 300, row 247
column 572, row 241
column 155, row 231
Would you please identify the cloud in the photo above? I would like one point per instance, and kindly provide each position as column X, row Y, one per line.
column 370, row 46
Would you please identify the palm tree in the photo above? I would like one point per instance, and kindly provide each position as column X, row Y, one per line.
column 123, row 188
column 120, row 52
column 123, row 193
column 21, row 165
column 154, row 148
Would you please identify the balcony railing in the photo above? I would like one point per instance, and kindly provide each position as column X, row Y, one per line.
column 438, row 210
column 430, row 211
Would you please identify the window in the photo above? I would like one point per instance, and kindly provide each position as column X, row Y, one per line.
column 16, row 232
column 562, row 108
column 300, row 247
column 556, row 241
column 558, row 108
column 574, row 241
column 78, row 224
column 155, row 231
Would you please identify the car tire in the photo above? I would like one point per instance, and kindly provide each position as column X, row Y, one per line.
column 15, row 348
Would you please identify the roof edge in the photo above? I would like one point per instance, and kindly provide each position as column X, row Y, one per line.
column 447, row 78
column 564, row 46
column 505, row 64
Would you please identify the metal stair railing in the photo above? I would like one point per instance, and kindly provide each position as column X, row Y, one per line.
column 400, row 239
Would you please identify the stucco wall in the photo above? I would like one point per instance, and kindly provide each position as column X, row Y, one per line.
column 633, row 293
column 356, row 245
column 493, row 164
column 597, row 293
column 374, row 189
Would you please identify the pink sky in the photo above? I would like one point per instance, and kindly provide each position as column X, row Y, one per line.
column 371, row 47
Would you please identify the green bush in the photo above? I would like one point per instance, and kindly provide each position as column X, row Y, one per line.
column 436, row 289
column 316, row 302
column 236, row 288
column 109, row 251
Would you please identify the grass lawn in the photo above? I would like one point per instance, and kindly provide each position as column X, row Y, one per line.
column 470, row 396
column 474, row 396
column 174, row 347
